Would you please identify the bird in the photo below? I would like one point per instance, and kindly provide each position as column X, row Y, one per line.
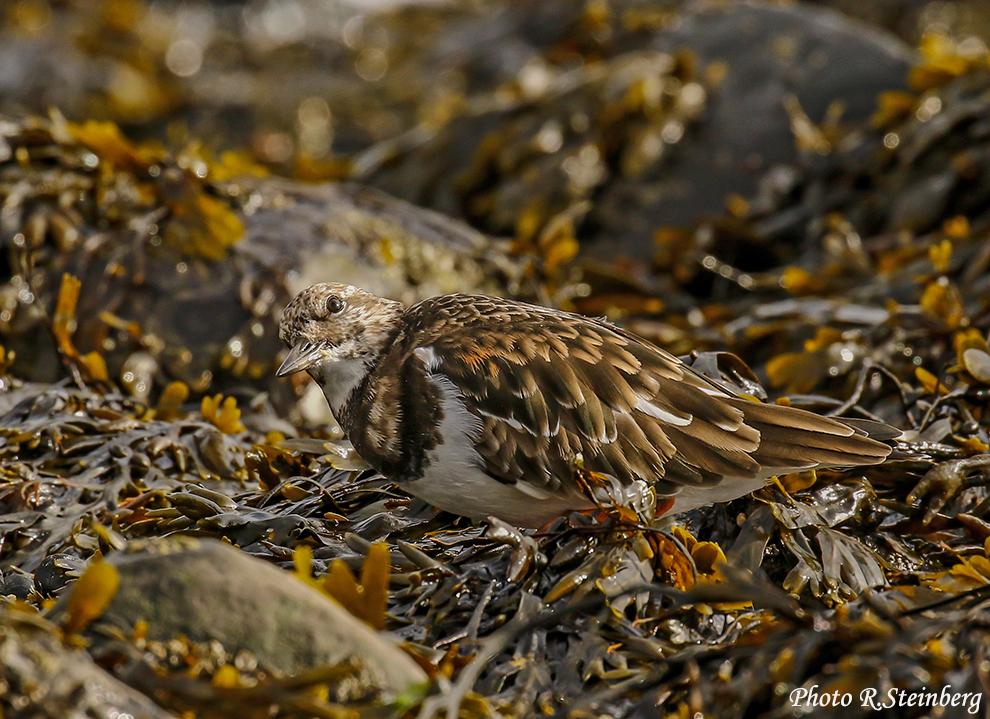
column 485, row 407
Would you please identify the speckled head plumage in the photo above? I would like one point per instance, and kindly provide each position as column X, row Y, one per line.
column 331, row 322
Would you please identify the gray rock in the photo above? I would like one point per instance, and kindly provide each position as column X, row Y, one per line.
column 207, row 318
column 357, row 234
column 44, row 679
column 208, row 590
column 770, row 52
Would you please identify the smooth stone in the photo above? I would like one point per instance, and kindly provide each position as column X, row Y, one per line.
column 208, row 590
column 44, row 678
column 55, row 572
column 770, row 52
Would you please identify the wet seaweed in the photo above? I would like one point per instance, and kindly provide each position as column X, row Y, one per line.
column 866, row 298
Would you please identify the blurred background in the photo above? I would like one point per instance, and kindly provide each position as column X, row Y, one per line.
column 508, row 114
column 666, row 163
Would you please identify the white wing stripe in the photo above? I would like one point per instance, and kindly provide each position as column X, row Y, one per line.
column 647, row 407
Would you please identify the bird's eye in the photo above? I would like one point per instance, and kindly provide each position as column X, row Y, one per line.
column 334, row 304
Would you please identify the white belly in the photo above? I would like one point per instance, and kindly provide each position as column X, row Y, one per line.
column 476, row 495
column 454, row 480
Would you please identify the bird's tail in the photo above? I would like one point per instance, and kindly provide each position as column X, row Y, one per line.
column 794, row 438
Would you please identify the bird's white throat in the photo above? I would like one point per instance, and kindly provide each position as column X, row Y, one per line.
column 338, row 379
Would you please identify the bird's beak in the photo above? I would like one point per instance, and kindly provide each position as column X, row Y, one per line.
column 301, row 357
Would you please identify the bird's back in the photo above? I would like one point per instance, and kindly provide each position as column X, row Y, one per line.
column 544, row 387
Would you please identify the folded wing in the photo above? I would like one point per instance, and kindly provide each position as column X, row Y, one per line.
column 548, row 386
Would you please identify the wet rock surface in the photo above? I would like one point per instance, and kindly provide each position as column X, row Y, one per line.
column 145, row 235
column 207, row 591
column 732, row 82
column 779, row 63
column 44, row 678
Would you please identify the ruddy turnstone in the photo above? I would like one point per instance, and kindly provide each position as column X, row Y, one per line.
column 481, row 406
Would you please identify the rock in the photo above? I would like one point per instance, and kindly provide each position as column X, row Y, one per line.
column 720, row 75
column 14, row 584
column 56, row 571
column 911, row 20
column 918, row 176
column 185, row 280
column 44, row 679
column 769, row 52
column 312, row 233
column 207, row 590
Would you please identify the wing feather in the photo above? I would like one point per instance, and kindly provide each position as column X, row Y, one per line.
column 548, row 385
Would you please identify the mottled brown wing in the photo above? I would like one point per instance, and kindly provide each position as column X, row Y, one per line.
column 548, row 385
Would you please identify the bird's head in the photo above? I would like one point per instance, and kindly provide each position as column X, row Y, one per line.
column 330, row 322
